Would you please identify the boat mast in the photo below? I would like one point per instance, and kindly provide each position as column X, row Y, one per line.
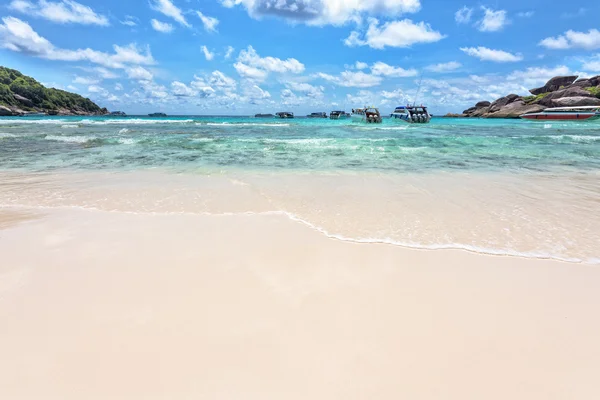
column 418, row 91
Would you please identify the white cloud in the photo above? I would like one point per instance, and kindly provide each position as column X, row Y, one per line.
column 18, row 36
column 526, row 14
column 537, row 76
column 161, row 26
column 362, row 98
column 354, row 40
column 288, row 98
column 463, row 16
column 152, row 90
column 251, row 73
column 326, row 12
column 221, row 81
column 573, row 39
column 202, row 88
column 100, row 72
column 229, row 52
column 169, row 9
column 397, row 95
column 180, row 89
column 210, row 23
column 63, row 12
column 592, row 64
column 492, row 21
column 383, row 69
column 444, row 67
column 361, row 65
column 255, row 94
column 557, row 43
column 97, row 89
column 83, row 80
column 352, row 79
column 306, row 88
column 271, row 64
column 139, row 73
column 118, row 87
column 252, row 66
column 394, row 34
column 207, row 54
column 579, row 13
column 485, row 54
column 105, row 73
column 129, row 21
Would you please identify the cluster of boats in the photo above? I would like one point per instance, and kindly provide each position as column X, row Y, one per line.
column 369, row 115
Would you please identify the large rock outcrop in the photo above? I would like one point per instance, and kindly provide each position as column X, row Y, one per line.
column 561, row 91
column 554, row 84
column 5, row 111
column 576, row 101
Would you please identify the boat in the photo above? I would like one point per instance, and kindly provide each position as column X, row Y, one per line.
column 157, row 115
column 264, row 116
column 285, row 114
column 339, row 115
column 411, row 114
column 317, row 115
column 368, row 115
column 585, row 113
column 33, row 114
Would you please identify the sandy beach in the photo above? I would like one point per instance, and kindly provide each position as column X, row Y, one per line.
column 116, row 305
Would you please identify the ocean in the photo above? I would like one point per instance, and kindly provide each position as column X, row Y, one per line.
column 502, row 187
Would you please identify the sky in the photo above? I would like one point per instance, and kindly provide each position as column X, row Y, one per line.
column 241, row 57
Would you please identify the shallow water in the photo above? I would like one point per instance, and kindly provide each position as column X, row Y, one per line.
column 504, row 187
column 192, row 143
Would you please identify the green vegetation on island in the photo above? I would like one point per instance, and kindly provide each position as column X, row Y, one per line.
column 20, row 94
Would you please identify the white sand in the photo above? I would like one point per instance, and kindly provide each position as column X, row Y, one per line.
column 100, row 305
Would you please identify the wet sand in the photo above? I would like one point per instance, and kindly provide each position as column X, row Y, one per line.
column 117, row 305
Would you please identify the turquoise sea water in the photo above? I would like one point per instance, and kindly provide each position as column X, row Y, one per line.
column 198, row 143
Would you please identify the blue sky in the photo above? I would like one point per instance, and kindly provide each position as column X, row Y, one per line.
column 248, row 56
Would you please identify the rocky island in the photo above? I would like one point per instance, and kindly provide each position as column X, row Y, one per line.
column 23, row 95
column 560, row 91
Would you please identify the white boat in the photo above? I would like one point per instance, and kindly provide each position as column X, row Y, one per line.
column 584, row 113
column 367, row 115
column 285, row 115
column 411, row 114
column 339, row 115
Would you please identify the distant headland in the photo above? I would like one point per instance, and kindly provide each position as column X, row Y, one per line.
column 23, row 95
column 560, row 91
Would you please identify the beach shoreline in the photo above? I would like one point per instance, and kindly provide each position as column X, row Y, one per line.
column 124, row 305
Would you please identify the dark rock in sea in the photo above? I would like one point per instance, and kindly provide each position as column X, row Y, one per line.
column 118, row 114
column 576, row 102
column 594, row 81
column 479, row 109
column 502, row 102
column 554, row 84
column 582, row 83
column 571, row 91
column 561, row 91
column 5, row 112
column 515, row 110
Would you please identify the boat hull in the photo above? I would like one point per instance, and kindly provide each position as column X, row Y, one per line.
column 561, row 116
column 404, row 118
